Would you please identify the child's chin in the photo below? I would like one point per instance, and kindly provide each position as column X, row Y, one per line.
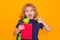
column 30, row 18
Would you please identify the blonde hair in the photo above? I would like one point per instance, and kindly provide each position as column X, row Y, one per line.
column 28, row 5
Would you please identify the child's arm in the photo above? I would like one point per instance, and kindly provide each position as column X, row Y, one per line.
column 17, row 30
column 46, row 27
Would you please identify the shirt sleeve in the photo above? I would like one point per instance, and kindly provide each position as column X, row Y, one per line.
column 19, row 23
column 41, row 25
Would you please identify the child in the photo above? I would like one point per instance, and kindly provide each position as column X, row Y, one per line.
column 29, row 11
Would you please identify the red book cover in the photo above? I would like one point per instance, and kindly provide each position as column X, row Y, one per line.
column 27, row 32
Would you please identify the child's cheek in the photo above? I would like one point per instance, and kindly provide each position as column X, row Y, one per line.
column 33, row 13
column 26, row 13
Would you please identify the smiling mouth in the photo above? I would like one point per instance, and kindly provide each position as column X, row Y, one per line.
column 30, row 16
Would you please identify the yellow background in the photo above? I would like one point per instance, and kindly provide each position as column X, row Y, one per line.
column 10, row 11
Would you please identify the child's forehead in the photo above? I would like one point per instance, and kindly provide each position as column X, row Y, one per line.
column 29, row 7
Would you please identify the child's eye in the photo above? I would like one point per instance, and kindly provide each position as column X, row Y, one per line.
column 31, row 10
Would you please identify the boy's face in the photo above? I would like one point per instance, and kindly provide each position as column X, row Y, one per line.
column 29, row 12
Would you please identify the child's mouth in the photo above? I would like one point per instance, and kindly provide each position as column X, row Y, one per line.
column 30, row 16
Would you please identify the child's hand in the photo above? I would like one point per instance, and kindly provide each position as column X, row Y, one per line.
column 21, row 27
column 39, row 20
column 17, row 30
column 46, row 27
